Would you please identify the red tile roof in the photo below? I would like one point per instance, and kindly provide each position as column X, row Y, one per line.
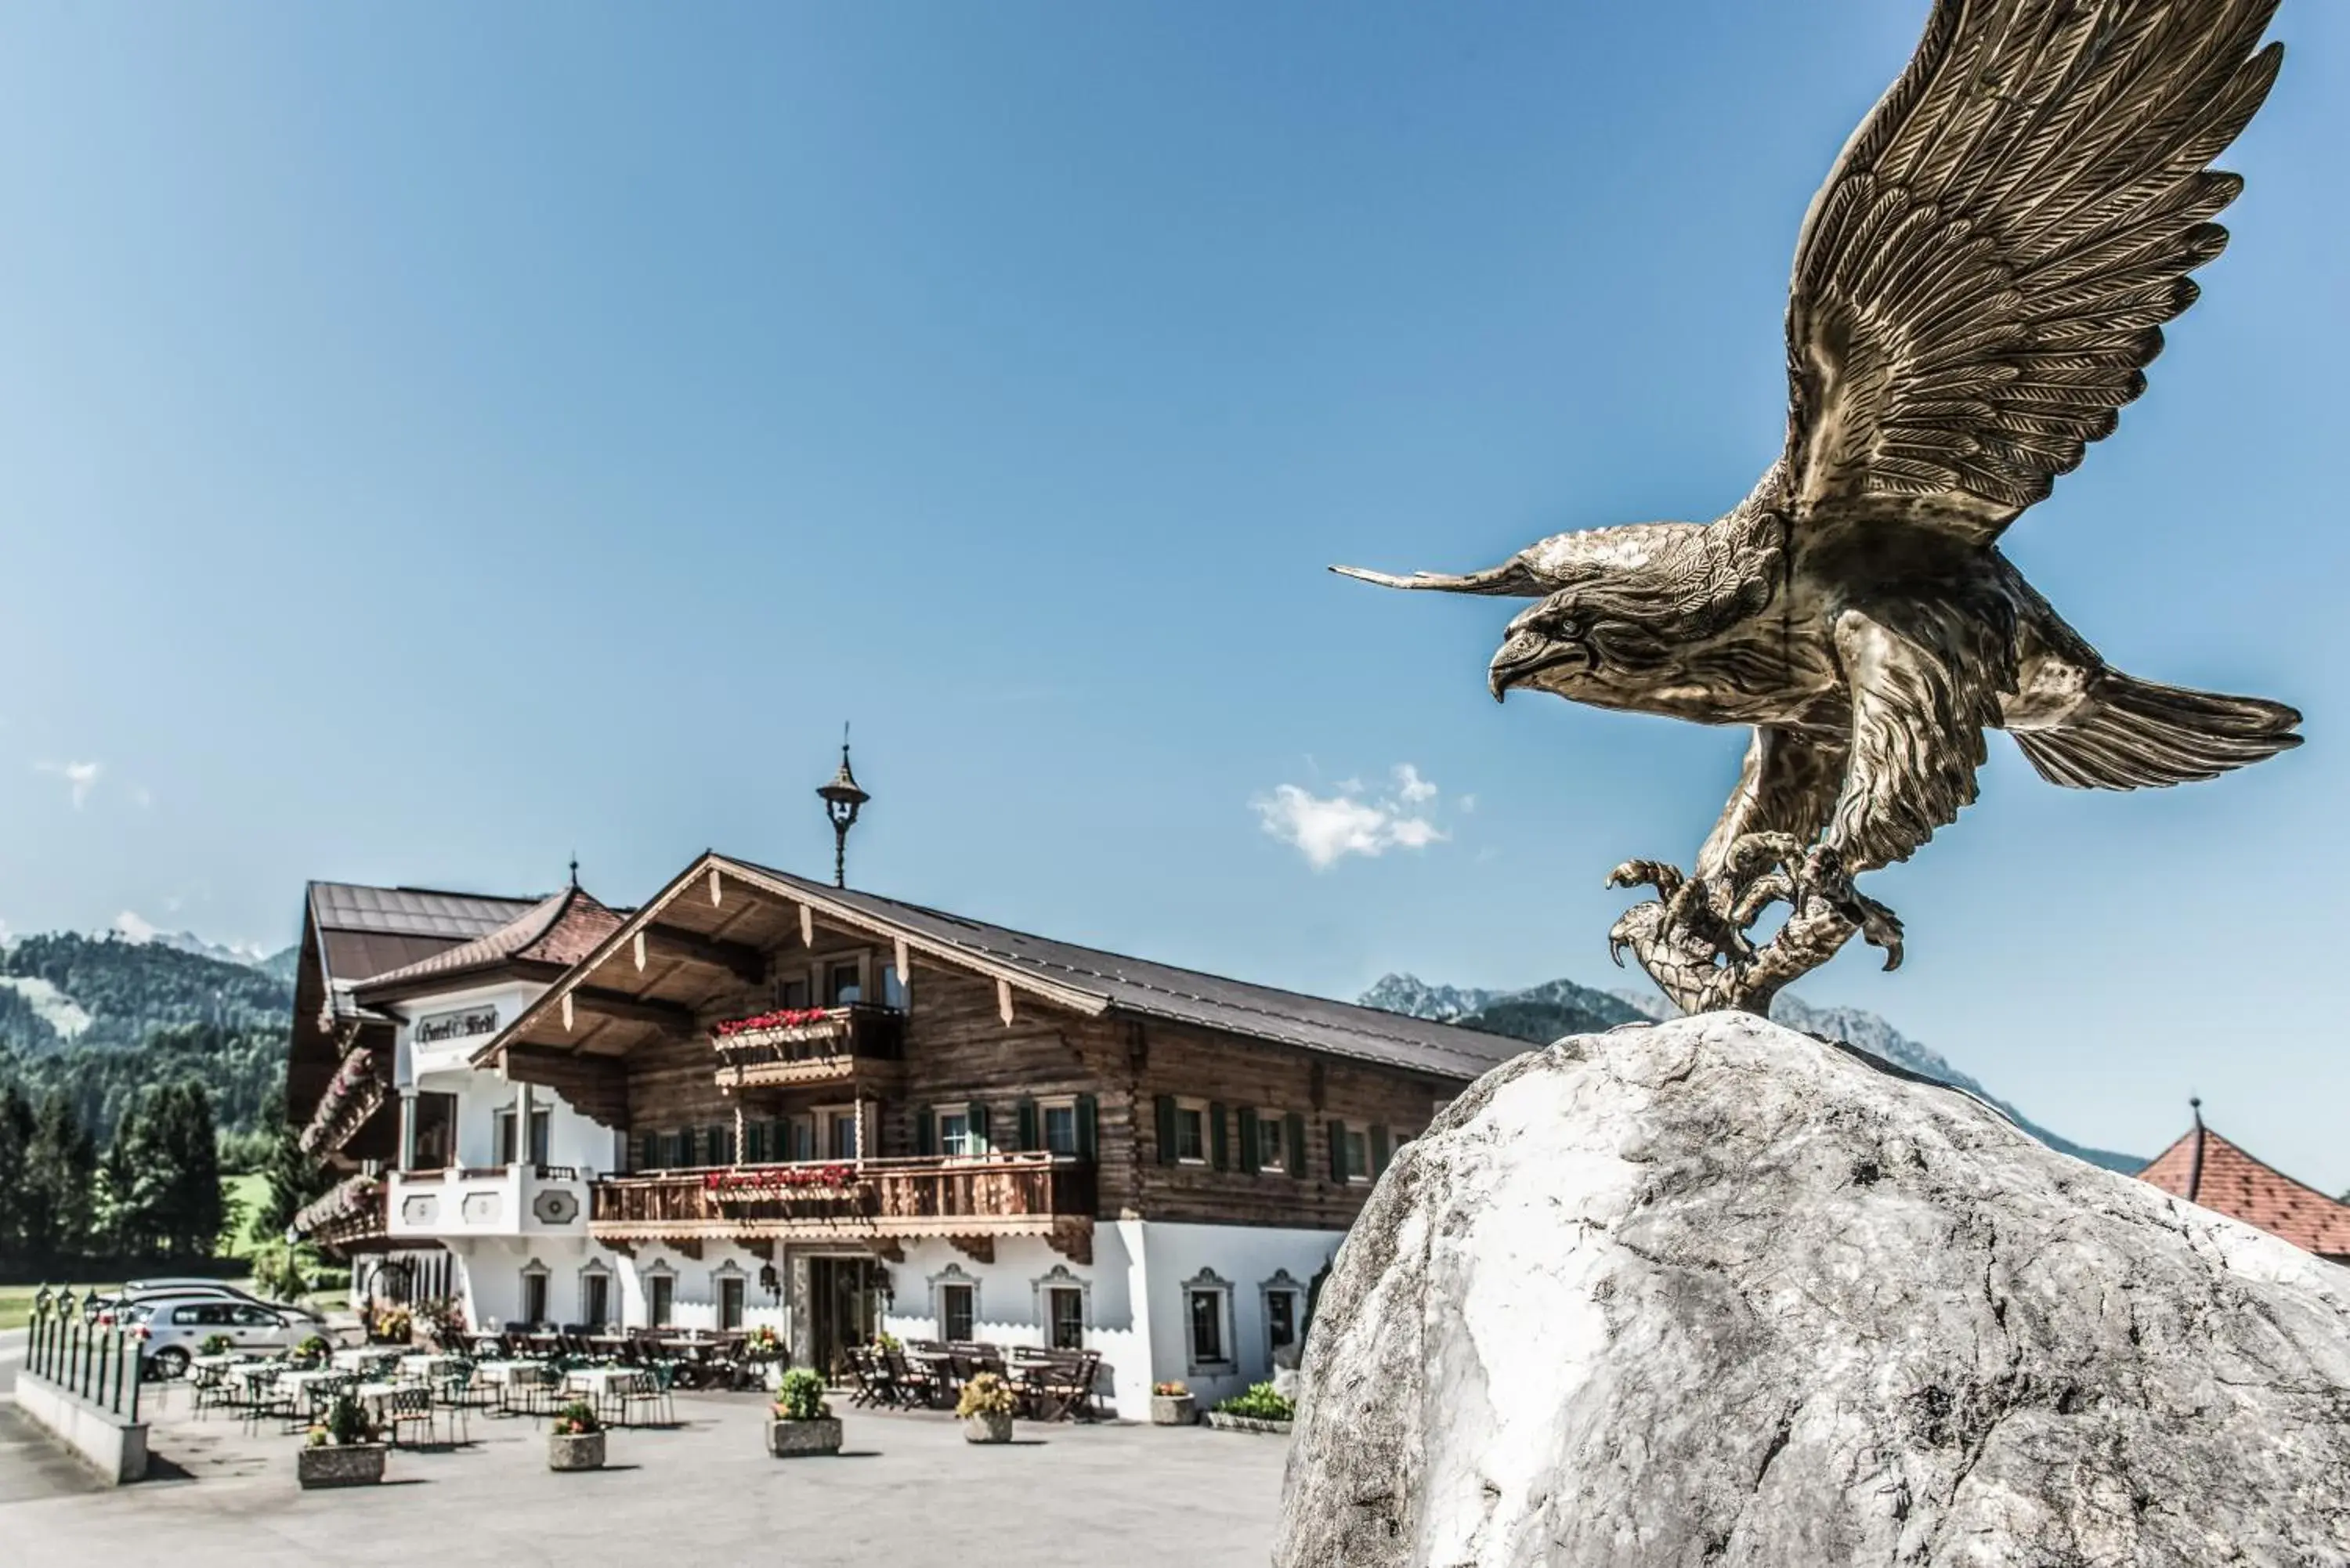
column 560, row 930
column 2204, row 1168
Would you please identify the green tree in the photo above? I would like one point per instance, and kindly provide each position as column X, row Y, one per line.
column 16, row 1140
column 60, row 1161
column 294, row 1178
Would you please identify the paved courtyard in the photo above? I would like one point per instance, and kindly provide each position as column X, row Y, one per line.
column 905, row 1487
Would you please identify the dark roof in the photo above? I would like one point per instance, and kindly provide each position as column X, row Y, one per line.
column 365, row 931
column 2204, row 1168
column 558, row 931
column 1188, row 996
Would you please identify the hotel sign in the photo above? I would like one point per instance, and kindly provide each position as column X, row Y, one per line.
column 461, row 1025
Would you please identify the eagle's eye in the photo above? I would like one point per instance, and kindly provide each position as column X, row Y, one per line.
column 1567, row 627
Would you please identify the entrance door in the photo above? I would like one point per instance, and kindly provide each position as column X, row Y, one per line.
column 844, row 1308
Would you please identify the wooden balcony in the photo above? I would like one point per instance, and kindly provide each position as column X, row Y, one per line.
column 995, row 1195
column 361, row 1084
column 827, row 1048
column 353, row 1216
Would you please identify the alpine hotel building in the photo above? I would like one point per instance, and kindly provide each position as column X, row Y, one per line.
column 763, row 1099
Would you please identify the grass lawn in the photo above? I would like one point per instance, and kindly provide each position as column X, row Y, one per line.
column 16, row 1302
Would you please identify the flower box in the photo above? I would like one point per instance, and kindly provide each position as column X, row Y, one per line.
column 339, row 1464
column 1224, row 1422
column 575, row 1450
column 794, row 1439
column 1174, row 1410
column 987, row 1429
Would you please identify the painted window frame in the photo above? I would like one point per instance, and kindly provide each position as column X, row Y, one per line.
column 536, row 1273
column 594, row 1269
column 1358, row 1140
column 1196, row 1108
column 954, row 1277
column 1045, row 1106
column 1282, row 1283
column 1271, row 1130
column 1060, row 1277
column 1208, row 1283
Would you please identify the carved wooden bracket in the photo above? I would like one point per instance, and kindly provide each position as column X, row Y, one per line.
column 978, row 1248
column 688, row 1246
column 889, row 1248
column 1075, row 1242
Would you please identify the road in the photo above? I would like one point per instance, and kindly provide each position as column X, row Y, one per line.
column 12, row 1357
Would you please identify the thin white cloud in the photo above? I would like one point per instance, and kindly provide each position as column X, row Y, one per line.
column 1466, row 805
column 143, row 798
column 80, row 778
column 1326, row 829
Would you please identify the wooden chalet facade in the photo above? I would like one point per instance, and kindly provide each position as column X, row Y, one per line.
column 841, row 1113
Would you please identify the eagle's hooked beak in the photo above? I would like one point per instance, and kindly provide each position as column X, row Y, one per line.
column 1525, row 654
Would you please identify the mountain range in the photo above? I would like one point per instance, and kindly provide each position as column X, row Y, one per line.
column 1542, row 1014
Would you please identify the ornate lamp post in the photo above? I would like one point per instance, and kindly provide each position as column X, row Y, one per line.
column 842, row 797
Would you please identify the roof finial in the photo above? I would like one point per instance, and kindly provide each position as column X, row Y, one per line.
column 2195, row 1155
column 2194, row 1104
column 575, row 870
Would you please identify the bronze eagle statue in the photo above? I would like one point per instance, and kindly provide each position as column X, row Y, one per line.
column 1976, row 291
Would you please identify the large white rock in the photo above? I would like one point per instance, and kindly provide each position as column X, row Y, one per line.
column 1713, row 1292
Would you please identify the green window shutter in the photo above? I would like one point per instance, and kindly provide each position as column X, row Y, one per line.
column 1296, row 1146
column 648, row 1151
column 1028, row 1125
column 1166, row 1107
column 779, row 1141
column 1219, row 1151
column 926, row 1131
column 979, row 1142
column 1379, row 1152
column 755, row 1143
column 1248, row 1139
column 1087, row 1116
column 1338, row 1152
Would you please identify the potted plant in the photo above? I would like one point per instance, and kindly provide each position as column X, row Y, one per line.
column 342, row 1449
column 1171, row 1404
column 987, row 1406
column 444, row 1322
column 576, row 1441
column 392, row 1325
column 215, row 1345
column 803, row 1423
column 313, row 1351
column 1263, row 1408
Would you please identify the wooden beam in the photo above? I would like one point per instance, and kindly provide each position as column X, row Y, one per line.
column 635, row 1009
column 739, row 959
column 807, row 925
column 714, row 899
column 1004, row 1001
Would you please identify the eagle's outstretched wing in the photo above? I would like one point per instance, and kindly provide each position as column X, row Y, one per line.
column 1985, row 273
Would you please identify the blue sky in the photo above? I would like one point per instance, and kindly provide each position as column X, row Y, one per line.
column 437, row 439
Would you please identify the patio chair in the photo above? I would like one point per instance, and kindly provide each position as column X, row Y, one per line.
column 461, row 1395
column 648, row 1388
column 408, row 1406
column 527, row 1390
column 208, row 1389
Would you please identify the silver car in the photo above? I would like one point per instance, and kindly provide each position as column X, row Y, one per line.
column 171, row 1329
column 104, row 1310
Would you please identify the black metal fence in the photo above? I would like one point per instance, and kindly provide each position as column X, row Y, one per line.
column 100, row 1366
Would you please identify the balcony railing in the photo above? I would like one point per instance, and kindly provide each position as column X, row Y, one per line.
column 1009, row 1194
column 361, row 1082
column 817, row 1046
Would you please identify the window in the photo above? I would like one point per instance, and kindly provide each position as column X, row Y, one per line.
column 1205, row 1309
column 533, row 1295
column 1358, row 1155
column 799, row 1135
column 957, row 1307
column 793, row 993
column 433, row 1131
column 1280, row 1319
column 841, row 1141
column 1060, row 1127
column 595, row 1300
column 660, row 1292
column 720, row 1142
column 1190, row 1133
column 893, row 987
column 542, row 1135
column 729, row 1301
column 1272, row 1150
column 954, row 1134
column 1065, row 1308
column 541, row 1125
column 214, row 1315
column 844, row 983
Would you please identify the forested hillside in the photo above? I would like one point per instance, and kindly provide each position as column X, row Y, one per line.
column 103, row 1019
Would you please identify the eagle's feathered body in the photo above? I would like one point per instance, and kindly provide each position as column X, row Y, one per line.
column 1977, row 290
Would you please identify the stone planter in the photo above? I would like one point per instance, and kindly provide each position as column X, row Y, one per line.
column 792, row 1439
column 1174, row 1410
column 985, row 1429
column 1227, row 1423
column 575, row 1450
column 345, row 1464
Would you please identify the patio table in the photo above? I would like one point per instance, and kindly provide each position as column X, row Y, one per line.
column 424, row 1367
column 599, row 1383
